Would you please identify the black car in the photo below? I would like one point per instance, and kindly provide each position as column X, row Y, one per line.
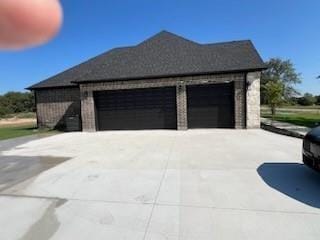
column 311, row 149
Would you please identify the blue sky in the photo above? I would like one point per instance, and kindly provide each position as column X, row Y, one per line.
column 289, row 29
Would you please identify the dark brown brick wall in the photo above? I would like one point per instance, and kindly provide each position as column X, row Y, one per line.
column 54, row 105
column 88, row 108
column 240, row 105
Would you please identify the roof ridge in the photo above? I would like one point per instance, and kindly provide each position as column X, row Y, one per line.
column 157, row 35
column 226, row 42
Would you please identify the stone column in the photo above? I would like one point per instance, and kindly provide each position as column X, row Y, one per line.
column 239, row 104
column 87, row 111
column 253, row 100
column 182, row 120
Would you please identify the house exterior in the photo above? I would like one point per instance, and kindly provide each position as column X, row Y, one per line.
column 165, row 82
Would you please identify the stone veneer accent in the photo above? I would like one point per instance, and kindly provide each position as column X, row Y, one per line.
column 55, row 104
column 88, row 108
column 182, row 112
column 253, row 100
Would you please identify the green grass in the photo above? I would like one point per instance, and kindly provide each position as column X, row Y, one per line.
column 302, row 118
column 7, row 132
column 308, row 116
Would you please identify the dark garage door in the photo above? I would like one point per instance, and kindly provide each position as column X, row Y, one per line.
column 211, row 106
column 152, row 108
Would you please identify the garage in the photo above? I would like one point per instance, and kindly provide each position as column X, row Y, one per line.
column 211, row 106
column 148, row 86
column 136, row 109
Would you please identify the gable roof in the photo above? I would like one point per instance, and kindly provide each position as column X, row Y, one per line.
column 162, row 55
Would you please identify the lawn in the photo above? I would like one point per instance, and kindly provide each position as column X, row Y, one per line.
column 7, row 132
column 303, row 116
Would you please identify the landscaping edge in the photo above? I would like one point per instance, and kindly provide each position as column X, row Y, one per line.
column 281, row 131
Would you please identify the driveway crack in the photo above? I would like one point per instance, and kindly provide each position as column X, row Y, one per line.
column 160, row 185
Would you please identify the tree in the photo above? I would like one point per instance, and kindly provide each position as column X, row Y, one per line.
column 3, row 106
column 16, row 102
column 282, row 71
column 317, row 99
column 274, row 94
column 307, row 100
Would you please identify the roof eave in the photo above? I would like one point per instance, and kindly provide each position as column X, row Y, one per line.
column 50, row 87
column 171, row 75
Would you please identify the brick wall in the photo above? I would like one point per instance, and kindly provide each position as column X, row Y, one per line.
column 88, row 115
column 54, row 105
column 240, row 106
column 88, row 108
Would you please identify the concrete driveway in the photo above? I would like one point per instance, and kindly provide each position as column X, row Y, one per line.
column 162, row 185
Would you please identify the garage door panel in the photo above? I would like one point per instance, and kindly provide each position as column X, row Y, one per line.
column 211, row 106
column 153, row 108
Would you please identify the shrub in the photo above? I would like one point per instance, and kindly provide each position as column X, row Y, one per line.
column 16, row 102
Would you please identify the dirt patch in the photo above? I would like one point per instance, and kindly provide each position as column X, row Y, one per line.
column 17, row 121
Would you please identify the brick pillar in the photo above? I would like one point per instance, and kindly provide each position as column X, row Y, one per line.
column 253, row 100
column 239, row 104
column 88, row 111
column 182, row 120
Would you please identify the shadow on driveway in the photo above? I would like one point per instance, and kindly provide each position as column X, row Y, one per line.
column 16, row 169
column 294, row 180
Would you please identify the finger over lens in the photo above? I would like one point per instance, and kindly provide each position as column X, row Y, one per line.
column 25, row 23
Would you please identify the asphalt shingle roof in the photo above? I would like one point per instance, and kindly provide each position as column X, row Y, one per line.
column 162, row 55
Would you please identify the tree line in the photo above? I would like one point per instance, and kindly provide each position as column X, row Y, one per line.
column 16, row 102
